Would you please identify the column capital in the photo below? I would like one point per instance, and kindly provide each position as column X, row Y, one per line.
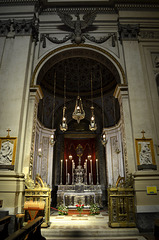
column 128, row 32
column 36, row 92
column 120, row 91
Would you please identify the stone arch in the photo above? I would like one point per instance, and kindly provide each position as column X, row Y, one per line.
column 94, row 52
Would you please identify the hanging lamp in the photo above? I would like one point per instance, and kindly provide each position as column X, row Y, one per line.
column 92, row 125
column 63, row 125
column 79, row 112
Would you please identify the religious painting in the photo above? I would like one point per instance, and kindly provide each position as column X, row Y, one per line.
column 145, row 154
column 7, row 152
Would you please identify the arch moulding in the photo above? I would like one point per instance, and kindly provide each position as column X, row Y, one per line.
column 82, row 50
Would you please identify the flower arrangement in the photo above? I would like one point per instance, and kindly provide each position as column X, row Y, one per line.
column 79, row 208
column 62, row 210
column 94, row 209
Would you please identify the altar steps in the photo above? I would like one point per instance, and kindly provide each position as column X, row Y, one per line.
column 87, row 228
column 121, row 234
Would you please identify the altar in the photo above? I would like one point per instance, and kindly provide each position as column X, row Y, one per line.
column 70, row 195
column 79, row 187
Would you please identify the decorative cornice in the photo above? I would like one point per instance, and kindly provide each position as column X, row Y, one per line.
column 82, row 10
column 18, row 2
column 131, row 6
column 149, row 34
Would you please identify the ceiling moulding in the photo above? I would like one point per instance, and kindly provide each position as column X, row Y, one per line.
column 18, row 2
column 81, row 10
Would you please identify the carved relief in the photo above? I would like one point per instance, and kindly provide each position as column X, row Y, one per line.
column 78, row 29
column 128, row 32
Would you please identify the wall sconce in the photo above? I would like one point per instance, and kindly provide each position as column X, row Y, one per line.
column 52, row 139
column 39, row 152
column 103, row 139
column 70, row 157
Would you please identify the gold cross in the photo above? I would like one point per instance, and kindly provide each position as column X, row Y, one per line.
column 143, row 137
column 8, row 130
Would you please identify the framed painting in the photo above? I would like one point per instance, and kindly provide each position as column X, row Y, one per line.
column 145, row 154
column 7, row 152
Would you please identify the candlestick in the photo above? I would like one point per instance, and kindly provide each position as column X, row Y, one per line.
column 66, row 173
column 97, row 171
column 61, row 172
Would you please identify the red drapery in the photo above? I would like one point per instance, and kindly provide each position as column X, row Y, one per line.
column 88, row 146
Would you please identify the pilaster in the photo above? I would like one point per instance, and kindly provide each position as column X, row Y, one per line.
column 34, row 97
column 121, row 92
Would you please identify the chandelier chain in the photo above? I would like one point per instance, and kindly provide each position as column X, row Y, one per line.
column 53, row 111
column 102, row 97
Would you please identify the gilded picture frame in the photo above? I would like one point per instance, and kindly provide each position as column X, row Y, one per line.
column 7, row 152
column 145, row 154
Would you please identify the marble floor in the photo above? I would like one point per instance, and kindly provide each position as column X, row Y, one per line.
column 87, row 227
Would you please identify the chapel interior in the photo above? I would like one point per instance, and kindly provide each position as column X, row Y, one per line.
column 79, row 119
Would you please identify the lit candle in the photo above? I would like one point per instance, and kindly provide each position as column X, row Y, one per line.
column 61, row 171
column 66, row 173
column 72, row 172
column 97, row 170
column 86, row 167
column 91, row 165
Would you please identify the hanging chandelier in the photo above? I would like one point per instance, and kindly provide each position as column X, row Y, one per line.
column 78, row 113
column 63, row 125
column 92, row 125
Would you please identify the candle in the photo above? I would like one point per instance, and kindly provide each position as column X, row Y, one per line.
column 97, row 171
column 86, row 166
column 66, row 173
column 68, row 178
column 91, row 172
column 72, row 172
column 61, row 171
column 91, row 165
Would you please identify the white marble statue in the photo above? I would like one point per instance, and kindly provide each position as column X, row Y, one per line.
column 6, row 153
column 145, row 154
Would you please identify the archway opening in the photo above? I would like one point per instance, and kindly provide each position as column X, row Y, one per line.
column 76, row 66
